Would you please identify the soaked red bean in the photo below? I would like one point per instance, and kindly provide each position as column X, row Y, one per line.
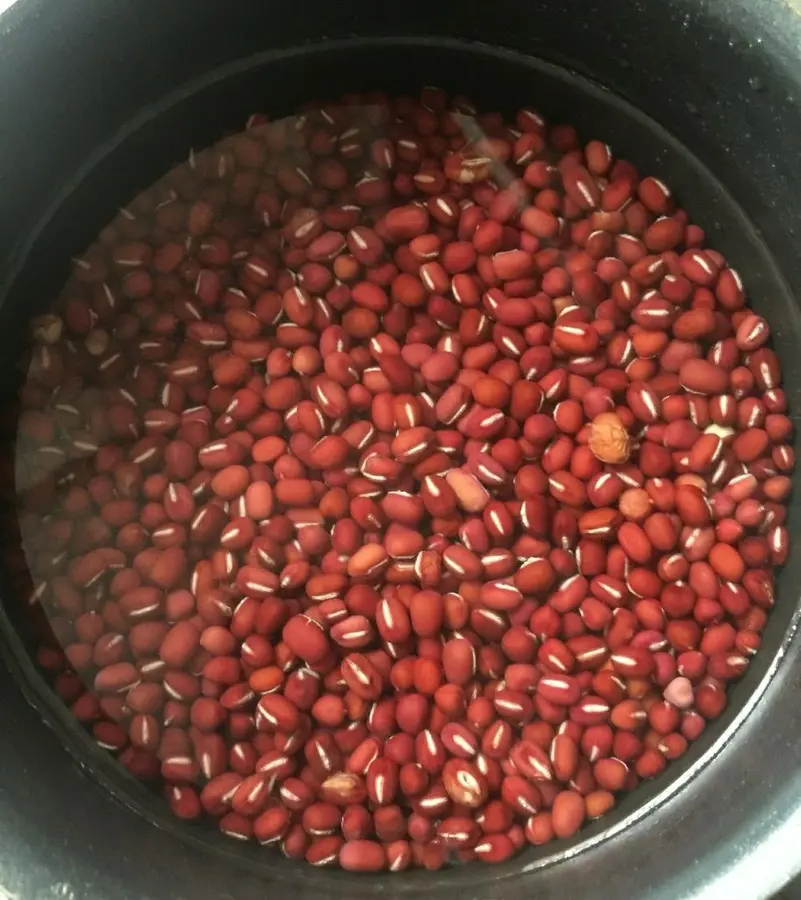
column 401, row 484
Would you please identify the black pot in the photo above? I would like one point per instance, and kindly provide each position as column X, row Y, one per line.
column 100, row 97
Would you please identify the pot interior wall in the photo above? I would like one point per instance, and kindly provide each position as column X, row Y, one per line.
column 279, row 83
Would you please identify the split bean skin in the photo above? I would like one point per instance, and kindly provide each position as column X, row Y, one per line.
column 400, row 485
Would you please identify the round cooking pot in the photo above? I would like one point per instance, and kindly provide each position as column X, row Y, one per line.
column 99, row 97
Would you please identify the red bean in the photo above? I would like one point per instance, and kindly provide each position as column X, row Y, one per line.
column 494, row 848
column 306, row 638
column 397, row 538
column 567, row 813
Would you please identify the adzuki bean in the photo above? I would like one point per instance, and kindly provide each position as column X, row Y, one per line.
column 401, row 484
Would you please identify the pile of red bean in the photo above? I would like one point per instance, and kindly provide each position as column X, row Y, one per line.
column 401, row 484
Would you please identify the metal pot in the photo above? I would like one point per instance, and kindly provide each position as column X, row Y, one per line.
column 100, row 97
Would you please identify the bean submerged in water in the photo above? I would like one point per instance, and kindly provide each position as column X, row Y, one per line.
column 404, row 484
